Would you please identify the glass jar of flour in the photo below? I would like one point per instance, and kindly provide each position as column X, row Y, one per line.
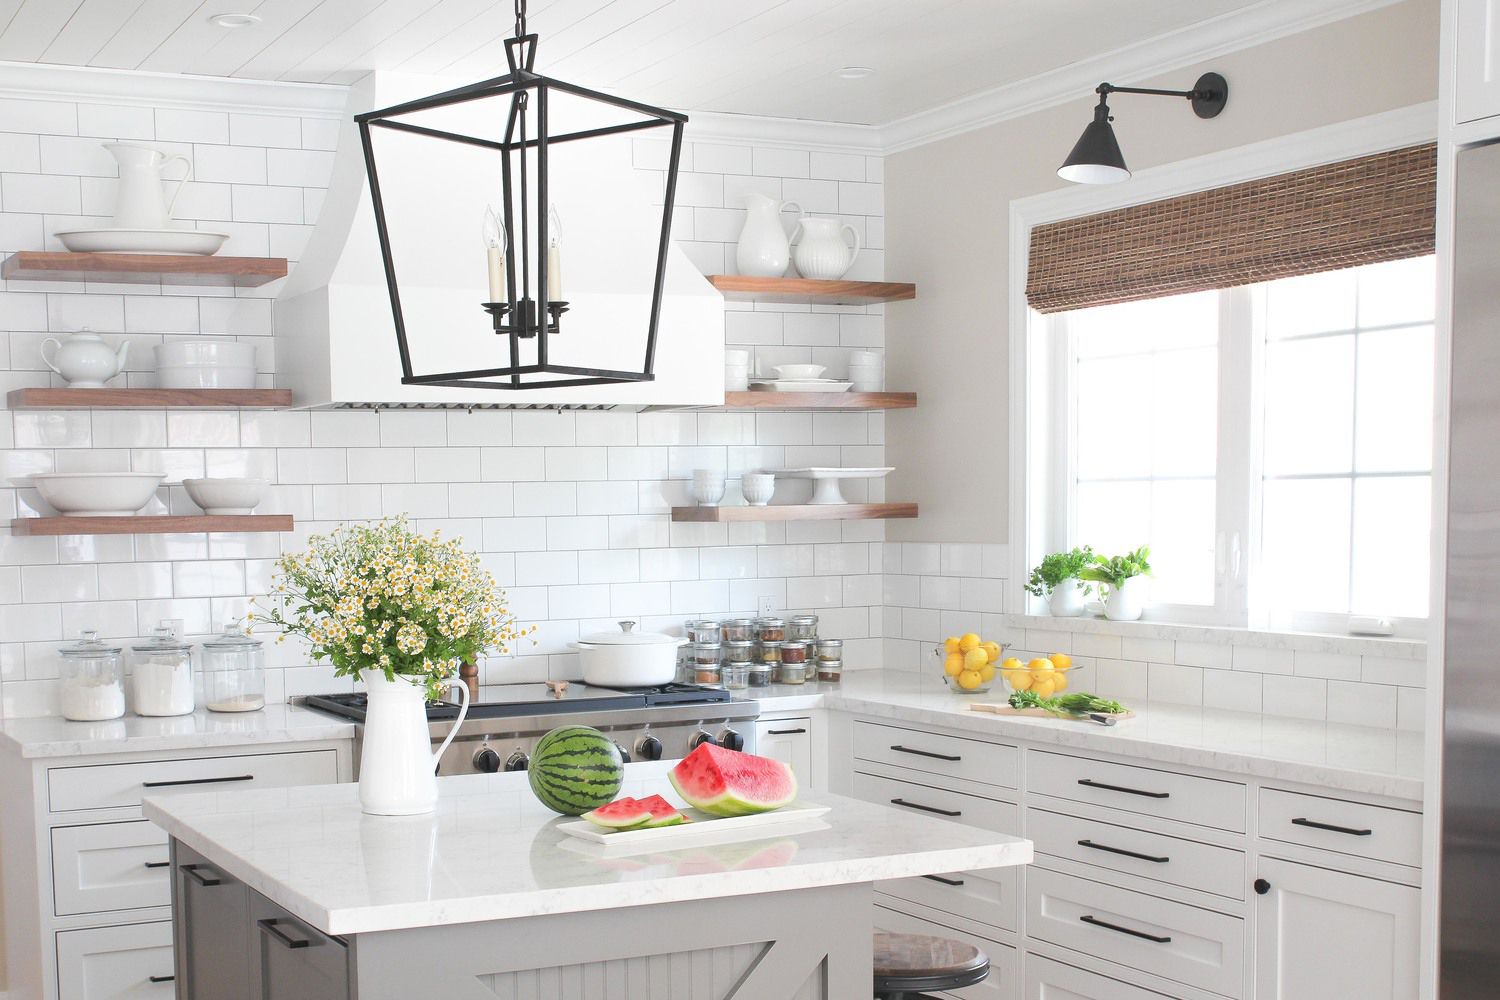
column 161, row 675
column 92, row 680
column 234, row 673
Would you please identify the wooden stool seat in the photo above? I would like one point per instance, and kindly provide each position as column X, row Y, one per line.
column 911, row 963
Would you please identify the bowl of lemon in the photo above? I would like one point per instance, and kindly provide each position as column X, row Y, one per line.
column 970, row 664
column 1045, row 675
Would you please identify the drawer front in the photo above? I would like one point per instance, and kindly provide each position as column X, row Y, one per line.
column 132, row 962
column 110, row 866
column 936, row 753
column 1207, row 867
column 1005, row 961
column 1374, row 832
column 113, row 786
column 1049, row 980
column 988, row 896
column 973, row 810
column 1184, row 943
column 1167, row 794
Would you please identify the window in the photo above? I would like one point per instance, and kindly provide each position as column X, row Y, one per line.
column 1272, row 443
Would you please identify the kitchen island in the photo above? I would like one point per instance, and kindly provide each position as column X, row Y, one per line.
column 292, row 893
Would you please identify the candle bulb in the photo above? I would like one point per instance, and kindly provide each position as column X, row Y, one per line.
column 494, row 252
column 554, row 256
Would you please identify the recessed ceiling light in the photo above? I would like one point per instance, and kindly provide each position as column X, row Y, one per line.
column 856, row 72
column 234, row 20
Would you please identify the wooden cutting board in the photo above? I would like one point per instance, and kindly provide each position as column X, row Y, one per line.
column 1001, row 708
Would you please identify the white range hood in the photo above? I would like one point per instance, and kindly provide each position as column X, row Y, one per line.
column 336, row 342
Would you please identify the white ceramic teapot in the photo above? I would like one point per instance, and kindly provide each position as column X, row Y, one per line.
column 763, row 250
column 84, row 359
column 140, row 202
column 822, row 252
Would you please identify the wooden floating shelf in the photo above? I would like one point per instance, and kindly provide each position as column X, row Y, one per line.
column 819, row 400
column 154, row 524
column 797, row 512
column 147, row 399
column 739, row 288
column 143, row 268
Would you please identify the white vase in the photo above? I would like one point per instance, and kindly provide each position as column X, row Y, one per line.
column 397, row 765
column 1066, row 600
column 822, row 252
column 140, row 202
column 1126, row 602
column 763, row 250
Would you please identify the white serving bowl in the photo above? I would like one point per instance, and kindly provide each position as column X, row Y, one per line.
column 221, row 353
column 96, row 494
column 205, row 377
column 171, row 242
column 227, row 495
column 799, row 371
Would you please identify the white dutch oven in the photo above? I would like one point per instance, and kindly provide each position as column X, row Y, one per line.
column 628, row 658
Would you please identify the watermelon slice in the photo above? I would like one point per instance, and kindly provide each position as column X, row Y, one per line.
column 663, row 813
column 729, row 783
column 620, row 814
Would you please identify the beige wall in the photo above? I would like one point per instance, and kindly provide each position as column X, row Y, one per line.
column 947, row 229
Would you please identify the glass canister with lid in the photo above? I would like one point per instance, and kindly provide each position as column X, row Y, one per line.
column 701, row 629
column 234, row 672
column 802, row 628
column 92, row 679
column 770, row 630
column 161, row 676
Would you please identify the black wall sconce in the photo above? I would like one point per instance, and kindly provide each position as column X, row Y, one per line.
column 1096, row 158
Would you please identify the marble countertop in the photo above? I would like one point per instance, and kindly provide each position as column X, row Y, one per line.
column 491, row 852
column 1329, row 755
column 54, row 736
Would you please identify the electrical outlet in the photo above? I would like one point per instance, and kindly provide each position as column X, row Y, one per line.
column 767, row 605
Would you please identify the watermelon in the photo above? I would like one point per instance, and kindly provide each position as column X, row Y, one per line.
column 621, row 814
column 663, row 813
column 729, row 783
column 575, row 769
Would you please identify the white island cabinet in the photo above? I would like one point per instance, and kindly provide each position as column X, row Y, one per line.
column 487, row 897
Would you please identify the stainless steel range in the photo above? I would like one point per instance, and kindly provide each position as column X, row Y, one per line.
column 504, row 726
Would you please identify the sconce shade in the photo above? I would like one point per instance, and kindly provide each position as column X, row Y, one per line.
column 1096, row 157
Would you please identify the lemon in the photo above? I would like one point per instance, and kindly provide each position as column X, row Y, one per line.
column 1062, row 661
column 969, row 680
column 1040, row 665
column 968, row 642
column 987, row 672
column 950, row 644
column 1043, row 687
column 991, row 649
column 975, row 658
column 1019, row 680
column 1011, row 663
column 953, row 663
column 1059, row 681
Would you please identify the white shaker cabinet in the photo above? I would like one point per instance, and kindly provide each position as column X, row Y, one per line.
column 789, row 741
column 1477, row 60
column 1323, row 933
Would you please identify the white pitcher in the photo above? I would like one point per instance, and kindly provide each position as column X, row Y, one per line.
column 140, row 202
column 822, row 252
column 397, row 765
column 763, row 250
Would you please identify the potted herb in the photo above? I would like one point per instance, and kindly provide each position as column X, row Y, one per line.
column 1123, row 579
column 1058, row 579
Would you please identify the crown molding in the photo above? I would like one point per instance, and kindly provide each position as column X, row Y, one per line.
column 796, row 133
column 1186, row 46
column 50, row 82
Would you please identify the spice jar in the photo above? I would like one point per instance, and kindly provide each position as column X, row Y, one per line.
column 739, row 652
column 707, row 676
column 768, row 653
column 736, row 676
column 803, row 628
column 701, row 630
column 793, row 652
column 759, row 676
column 234, row 673
column 830, row 649
column 770, row 629
column 792, row 673
column 92, row 679
column 161, row 681
column 737, row 629
column 705, row 659
column 830, row 671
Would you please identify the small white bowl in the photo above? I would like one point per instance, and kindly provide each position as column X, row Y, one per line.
column 226, row 495
column 758, row 488
column 222, row 353
column 800, row 371
column 96, row 494
column 205, row 377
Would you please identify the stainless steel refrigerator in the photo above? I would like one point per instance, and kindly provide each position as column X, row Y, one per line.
column 1470, row 874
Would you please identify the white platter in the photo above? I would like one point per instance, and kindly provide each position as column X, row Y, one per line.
column 826, row 480
column 702, row 829
column 800, row 385
column 168, row 242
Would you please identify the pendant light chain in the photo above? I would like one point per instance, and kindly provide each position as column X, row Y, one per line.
column 520, row 18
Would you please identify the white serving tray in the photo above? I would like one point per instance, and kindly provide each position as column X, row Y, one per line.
column 703, row 828
column 167, row 242
column 800, row 385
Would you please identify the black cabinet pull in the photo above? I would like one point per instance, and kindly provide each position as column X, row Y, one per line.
column 1120, row 850
column 945, row 881
column 272, row 927
column 785, row 732
column 1159, row 939
column 1121, row 788
column 1329, row 826
column 926, row 753
column 199, row 877
column 161, row 979
column 930, row 809
column 197, row 781
column 1262, row 887
column 158, row 864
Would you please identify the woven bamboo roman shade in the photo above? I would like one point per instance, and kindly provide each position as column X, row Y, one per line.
column 1362, row 211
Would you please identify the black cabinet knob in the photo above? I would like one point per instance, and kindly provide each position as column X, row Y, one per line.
column 1262, row 887
column 699, row 738
column 517, row 761
column 486, row 760
column 649, row 748
column 624, row 754
column 731, row 740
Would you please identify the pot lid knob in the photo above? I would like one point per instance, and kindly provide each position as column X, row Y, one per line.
column 626, row 626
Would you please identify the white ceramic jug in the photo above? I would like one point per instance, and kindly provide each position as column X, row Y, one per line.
column 397, row 765
column 764, row 250
column 822, row 252
column 84, row 359
column 140, row 202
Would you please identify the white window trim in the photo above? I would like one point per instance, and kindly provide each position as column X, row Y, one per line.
column 1028, row 353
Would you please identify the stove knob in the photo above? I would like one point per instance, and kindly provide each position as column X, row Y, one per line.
column 624, row 754
column 698, row 739
column 487, row 760
column 517, row 761
column 731, row 740
column 649, row 748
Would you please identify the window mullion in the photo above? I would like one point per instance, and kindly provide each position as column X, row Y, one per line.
column 1236, row 501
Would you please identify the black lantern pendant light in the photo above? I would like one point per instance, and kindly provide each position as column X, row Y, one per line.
column 524, row 305
column 1096, row 158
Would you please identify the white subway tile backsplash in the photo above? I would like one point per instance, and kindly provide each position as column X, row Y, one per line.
column 1235, row 691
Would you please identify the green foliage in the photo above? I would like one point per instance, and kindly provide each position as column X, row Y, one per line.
column 1115, row 570
column 1073, row 703
column 1057, row 567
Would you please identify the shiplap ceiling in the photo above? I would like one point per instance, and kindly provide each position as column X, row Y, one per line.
column 763, row 57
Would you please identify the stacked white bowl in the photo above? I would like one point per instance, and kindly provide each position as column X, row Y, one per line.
column 736, row 370
column 205, row 364
column 866, row 371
